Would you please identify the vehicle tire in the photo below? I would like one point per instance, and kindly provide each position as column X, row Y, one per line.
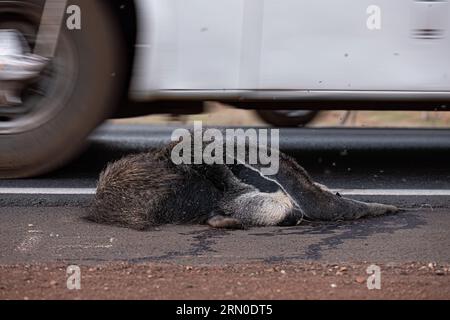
column 287, row 118
column 77, row 91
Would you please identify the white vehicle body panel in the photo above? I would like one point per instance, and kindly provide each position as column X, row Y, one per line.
column 296, row 48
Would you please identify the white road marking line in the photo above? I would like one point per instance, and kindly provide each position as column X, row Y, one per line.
column 393, row 192
column 346, row 192
column 49, row 191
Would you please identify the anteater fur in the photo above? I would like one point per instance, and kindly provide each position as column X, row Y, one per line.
column 145, row 190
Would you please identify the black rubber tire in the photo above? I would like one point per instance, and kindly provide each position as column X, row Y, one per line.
column 93, row 97
column 279, row 119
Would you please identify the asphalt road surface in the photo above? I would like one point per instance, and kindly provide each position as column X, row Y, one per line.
column 43, row 235
column 41, row 219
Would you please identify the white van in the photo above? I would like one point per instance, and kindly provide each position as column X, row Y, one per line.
column 65, row 66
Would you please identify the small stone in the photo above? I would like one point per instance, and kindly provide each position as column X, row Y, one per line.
column 439, row 272
column 53, row 283
column 341, row 271
column 360, row 279
column 283, row 272
column 334, row 285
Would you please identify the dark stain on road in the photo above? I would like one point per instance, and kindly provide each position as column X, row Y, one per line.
column 203, row 243
column 338, row 232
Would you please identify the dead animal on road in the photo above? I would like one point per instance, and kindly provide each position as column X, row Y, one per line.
column 148, row 189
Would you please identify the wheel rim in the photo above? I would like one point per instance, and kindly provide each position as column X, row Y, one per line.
column 44, row 98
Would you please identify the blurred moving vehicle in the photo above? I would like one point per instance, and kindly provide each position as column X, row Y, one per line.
column 66, row 66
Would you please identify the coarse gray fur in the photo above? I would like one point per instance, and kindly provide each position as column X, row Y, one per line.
column 145, row 190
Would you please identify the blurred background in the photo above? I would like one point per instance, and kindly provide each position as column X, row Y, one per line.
column 221, row 114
